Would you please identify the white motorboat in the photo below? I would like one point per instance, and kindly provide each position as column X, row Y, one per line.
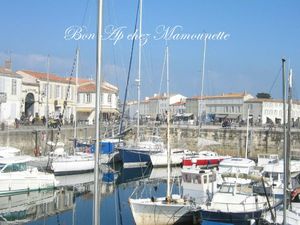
column 236, row 204
column 16, row 176
column 264, row 159
column 237, row 165
column 237, row 170
column 9, row 151
column 203, row 159
column 198, row 184
column 274, row 172
column 160, row 158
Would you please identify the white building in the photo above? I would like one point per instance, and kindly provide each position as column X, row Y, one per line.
column 10, row 94
column 87, row 99
column 264, row 111
column 222, row 106
column 61, row 95
column 158, row 104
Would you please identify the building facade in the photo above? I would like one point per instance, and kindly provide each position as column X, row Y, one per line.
column 159, row 104
column 219, row 107
column 10, row 94
column 264, row 111
column 87, row 100
column 58, row 98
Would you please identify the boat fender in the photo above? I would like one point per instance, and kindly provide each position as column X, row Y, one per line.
column 152, row 199
column 37, row 152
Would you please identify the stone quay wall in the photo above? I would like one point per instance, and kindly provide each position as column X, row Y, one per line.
column 231, row 141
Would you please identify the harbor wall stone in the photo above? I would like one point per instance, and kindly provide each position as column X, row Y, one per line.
column 232, row 141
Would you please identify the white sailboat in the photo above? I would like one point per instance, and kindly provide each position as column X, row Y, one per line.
column 170, row 209
column 79, row 162
column 138, row 154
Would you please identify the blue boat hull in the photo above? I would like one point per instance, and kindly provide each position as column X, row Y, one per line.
column 242, row 218
column 134, row 157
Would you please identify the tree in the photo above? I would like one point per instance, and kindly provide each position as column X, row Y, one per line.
column 263, row 95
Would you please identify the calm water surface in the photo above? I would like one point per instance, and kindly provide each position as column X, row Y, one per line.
column 73, row 204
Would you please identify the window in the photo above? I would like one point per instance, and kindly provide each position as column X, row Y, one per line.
column 109, row 98
column 62, row 92
column 57, row 91
column 88, row 98
column 51, row 91
column 2, row 84
column 78, row 98
column 13, row 86
column 71, row 93
column 44, row 90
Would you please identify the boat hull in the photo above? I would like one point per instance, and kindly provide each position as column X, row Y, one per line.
column 160, row 159
column 72, row 166
column 134, row 157
column 159, row 212
column 18, row 182
column 236, row 218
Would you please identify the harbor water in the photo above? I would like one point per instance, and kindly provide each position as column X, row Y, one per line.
column 72, row 201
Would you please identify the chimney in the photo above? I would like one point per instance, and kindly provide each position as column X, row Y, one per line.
column 7, row 65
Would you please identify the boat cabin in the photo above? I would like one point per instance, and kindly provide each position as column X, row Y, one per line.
column 14, row 164
column 264, row 159
column 198, row 184
column 236, row 165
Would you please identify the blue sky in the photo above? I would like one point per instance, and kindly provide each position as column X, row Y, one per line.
column 261, row 33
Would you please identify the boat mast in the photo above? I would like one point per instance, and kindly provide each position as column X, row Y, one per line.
column 288, row 153
column 138, row 80
column 168, row 131
column 47, row 100
column 76, row 97
column 202, row 85
column 284, row 144
column 97, row 197
column 247, row 136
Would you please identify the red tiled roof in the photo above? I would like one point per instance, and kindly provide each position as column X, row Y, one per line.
column 8, row 72
column 178, row 103
column 196, row 98
column 261, row 100
column 43, row 76
column 88, row 88
column 228, row 95
column 81, row 80
column 91, row 88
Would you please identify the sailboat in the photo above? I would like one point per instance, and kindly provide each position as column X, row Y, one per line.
column 138, row 154
column 170, row 209
column 62, row 163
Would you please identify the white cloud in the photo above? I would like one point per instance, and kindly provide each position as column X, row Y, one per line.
column 38, row 62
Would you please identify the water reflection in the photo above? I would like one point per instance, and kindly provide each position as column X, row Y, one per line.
column 72, row 201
